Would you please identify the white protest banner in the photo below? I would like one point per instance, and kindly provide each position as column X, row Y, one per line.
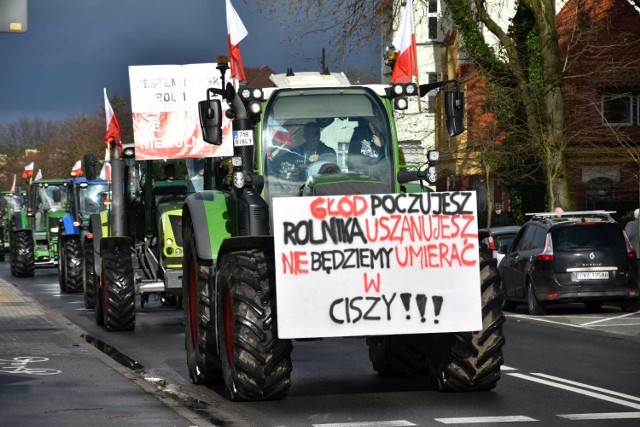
column 164, row 103
column 359, row 265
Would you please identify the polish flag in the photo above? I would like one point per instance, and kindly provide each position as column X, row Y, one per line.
column 105, row 172
column 28, row 171
column 39, row 175
column 236, row 32
column 113, row 127
column 76, row 170
column 406, row 65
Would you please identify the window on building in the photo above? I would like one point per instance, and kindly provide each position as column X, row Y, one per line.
column 433, row 6
column 617, row 109
column 433, row 27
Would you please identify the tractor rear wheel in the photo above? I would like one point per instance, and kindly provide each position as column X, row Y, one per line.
column 199, row 338
column 470, row 361
column 88, row 274
column 62, row 265
column 118, row 289
column 72, row 264
column 256, row 364
column 22, row 254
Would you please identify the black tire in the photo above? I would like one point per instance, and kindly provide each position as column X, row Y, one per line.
column 61, row 265
column 534, row 307
column 256, row 364
column 73, row 264
column 88, row 274
column 99, row 304
column 118, row 290
column 398, row 354
column 22, row 254
column 630, row 305
column 199, row 334
column 470, row 361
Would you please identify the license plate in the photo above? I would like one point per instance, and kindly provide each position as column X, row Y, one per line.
column 592, row 275
column 242, row 138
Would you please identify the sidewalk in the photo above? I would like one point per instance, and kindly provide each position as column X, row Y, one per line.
column 50, row 376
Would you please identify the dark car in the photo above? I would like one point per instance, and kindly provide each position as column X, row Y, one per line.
column 570, row 257
column 494, row 237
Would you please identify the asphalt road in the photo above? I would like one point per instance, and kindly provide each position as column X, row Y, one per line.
column 571, row 367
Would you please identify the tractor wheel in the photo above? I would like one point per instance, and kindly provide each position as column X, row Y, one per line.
column 398, row 354
column 72, row 264
column 470, row 361
column 88, row 275
column 22, row 254
column 62, row 265
column 199, row 337
column 99, row 301
column 256, row 364
column 118, row 290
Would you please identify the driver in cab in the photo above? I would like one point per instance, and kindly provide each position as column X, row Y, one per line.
column 313, row 148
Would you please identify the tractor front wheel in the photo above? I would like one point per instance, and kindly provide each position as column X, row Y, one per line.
column 88, row 274
column 470, row 361
column 199, row 338
column 118, row 289
column 256, row 364
column 22, row 254
column 72, row 271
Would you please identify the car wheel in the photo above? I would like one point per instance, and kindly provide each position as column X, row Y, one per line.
column 533, row 306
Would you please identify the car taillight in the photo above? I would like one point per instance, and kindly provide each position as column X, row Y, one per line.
column 492, row 243
column 547, row 252
column 631, row 252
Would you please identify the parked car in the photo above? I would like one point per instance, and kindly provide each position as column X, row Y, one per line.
column 570, row 257
column 495, row 237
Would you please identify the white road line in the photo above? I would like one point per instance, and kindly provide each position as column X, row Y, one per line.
column 481, row 420
column 398, row 423
column 601, row 416
column 507, row 368
column 607, row 319
column 587, row 386
column 609, row 325
column 576, row 390
column 540, row 319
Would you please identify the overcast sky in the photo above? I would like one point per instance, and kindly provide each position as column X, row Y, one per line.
column 74, row 48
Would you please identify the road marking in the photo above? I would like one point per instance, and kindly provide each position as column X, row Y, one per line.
column 607, row 319
column 576, row 390
column 603, row 390
column 507, row 368
column 601, row 416
column 398, row 423
column 480, row 420
column 540, row 319
column 4, row 298
column 18, row 365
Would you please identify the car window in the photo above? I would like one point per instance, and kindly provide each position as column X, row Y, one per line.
column 539, row 238
column 504, row 240
column 602, row 236
column 526, row 242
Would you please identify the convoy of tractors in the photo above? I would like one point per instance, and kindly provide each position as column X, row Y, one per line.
column 246, row 244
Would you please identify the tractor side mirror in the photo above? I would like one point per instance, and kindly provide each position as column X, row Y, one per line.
column 211, row 120
column 90, row 167
column 454, row 109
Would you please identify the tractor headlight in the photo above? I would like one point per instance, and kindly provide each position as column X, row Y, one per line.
column 255, row 107
column 433, row 155
column 168, row 242
column 236, row 162
column 400, row 103
column 178, row 251
column 238, row 179
column 54, row 229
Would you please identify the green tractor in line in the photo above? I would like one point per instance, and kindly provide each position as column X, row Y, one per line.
column 134, row 244
column 10, row 202
column 34, row 230
column 233, row 328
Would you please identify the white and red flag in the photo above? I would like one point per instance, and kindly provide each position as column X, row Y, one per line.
column 406, row 65
column 113, row 127
column 105, row 172
column 38, row 175
column 236, row 32
column 28, row 171
column 76, row 170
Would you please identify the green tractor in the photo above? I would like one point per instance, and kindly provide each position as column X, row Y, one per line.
column 135, row 241
column 246, row 298
column 34, row 230
column 83, row 200
column 10, row 202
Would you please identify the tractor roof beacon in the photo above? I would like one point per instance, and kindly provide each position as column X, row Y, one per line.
column 229, row 280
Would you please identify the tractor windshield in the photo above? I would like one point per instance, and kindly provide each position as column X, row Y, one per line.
column 90, row 199
column 310, row 132
column 48, row 198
